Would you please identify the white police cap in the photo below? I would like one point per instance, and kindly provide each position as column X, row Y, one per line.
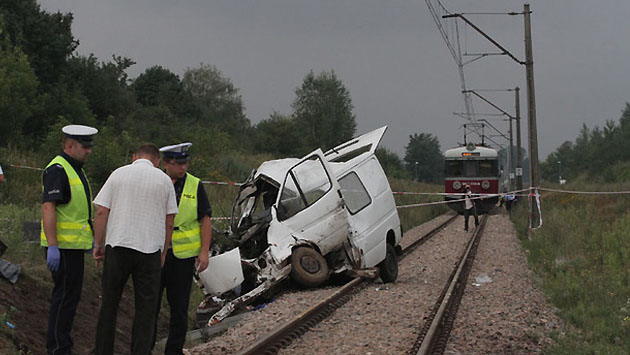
column 176, row 151
column 80, row 133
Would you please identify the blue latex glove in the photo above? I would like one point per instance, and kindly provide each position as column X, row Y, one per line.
column 52, row 258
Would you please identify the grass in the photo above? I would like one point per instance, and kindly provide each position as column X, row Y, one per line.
column 582, row 254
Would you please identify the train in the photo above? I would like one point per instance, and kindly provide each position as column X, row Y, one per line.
column 475, row 165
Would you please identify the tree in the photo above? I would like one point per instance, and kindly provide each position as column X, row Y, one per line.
column 323, row 110
column 391, row 163
column 278, row 135
column 218, row 100
column 424, row 159
column 19, row 99
column 45, row 38
column 157, row 86
column 104, row 84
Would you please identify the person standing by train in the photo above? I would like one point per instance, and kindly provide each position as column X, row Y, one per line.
column 510, row 198
column 469, row 206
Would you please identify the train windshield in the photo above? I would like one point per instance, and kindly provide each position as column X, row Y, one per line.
column 471, row 168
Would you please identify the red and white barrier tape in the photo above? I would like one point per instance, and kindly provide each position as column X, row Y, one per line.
column 584, row 192
column 24, row 167
column 222, row 183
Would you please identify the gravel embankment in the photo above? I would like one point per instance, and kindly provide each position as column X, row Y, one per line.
column 502, row 312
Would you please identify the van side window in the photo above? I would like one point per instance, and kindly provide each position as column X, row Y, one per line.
column 354, row 193
column 306, row 183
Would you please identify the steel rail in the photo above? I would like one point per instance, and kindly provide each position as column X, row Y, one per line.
column 434, row 335
column 300, row 325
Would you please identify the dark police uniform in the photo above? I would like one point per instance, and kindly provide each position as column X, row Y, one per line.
column 177, row 276
column 68, row 278
column 179, row 266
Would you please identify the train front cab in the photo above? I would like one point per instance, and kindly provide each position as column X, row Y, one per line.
column 480, row 171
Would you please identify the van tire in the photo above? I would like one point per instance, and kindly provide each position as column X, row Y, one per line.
column 388, row 268
column 308, row 267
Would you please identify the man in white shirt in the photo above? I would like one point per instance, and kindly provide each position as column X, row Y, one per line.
column 469, row 206
column 1, row 175
column 136, row 208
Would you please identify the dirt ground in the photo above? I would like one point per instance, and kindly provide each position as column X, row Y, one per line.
column 25, row 306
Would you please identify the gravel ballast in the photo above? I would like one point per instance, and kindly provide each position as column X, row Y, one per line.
column 504, row 314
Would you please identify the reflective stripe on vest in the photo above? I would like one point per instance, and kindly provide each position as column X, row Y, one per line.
column 73, row 228
column 187, row 234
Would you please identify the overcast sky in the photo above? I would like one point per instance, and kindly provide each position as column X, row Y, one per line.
column 389, row 54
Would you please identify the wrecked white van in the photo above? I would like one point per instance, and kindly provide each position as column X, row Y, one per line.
column 308, row 218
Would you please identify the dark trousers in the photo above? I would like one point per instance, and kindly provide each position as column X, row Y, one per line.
column 64, row 300
column 177, row 275
column 145, row 272
column 467, row 214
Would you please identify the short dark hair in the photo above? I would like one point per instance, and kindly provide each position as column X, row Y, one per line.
column 149, row 149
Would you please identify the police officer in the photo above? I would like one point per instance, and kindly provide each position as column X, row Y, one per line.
column 66, row 231
column 191, row 240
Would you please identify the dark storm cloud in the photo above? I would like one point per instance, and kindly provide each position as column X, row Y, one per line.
column 389, row 54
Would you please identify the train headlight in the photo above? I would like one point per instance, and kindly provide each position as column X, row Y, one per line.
column 457, row 185
column 485, row 185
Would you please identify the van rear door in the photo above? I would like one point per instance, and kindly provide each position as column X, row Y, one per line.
column 309, row 207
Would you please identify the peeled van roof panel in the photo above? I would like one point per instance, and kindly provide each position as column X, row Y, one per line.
column 484, row 152
column 367, row 141
column 276, row 169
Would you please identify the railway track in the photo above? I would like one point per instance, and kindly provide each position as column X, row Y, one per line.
column 283, row 336
column 434, row 334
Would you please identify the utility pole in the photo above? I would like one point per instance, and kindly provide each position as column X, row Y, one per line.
column 510, row 162
column 519, row 158
column 416, row 172
column 531, row 109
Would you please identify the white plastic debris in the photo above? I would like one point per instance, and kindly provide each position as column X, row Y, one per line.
column 224, row 272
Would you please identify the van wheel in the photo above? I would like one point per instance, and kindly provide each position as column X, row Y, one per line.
column 308, row 267
column 389, row 267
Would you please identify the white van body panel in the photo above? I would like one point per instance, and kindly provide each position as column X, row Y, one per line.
column 370, row 225
column 324, row 223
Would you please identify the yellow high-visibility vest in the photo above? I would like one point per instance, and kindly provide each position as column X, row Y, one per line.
column 187, row 234
column 73, row 227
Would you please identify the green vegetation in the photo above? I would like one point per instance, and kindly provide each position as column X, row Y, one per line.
column 423, row 158
column 582, row 254
column 413, row 216
column 598, row 154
